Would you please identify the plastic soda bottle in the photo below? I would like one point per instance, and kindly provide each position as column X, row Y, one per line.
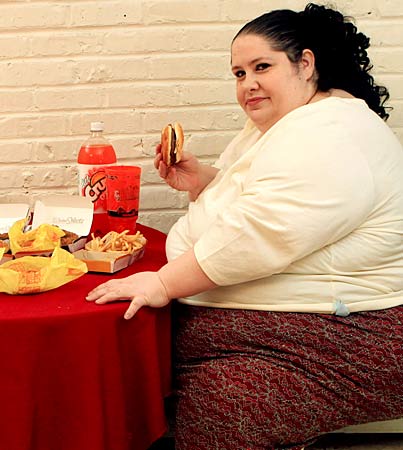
column 95, row 154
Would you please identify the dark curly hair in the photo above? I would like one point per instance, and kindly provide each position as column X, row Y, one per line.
column 341, row 59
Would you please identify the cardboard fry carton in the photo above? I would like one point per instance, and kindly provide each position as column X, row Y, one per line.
column 109, row 262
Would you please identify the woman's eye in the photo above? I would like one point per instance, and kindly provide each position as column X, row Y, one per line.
column 262, row 66
column 239, row 73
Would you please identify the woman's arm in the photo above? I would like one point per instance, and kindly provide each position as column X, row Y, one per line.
column 178, row 278
column 183, row 276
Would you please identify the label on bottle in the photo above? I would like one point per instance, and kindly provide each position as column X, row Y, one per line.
column 92, row 184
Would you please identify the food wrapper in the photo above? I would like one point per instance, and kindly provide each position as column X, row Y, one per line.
column 33, row 274
column 43, row 238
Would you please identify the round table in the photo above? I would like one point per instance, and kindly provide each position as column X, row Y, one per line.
column 77, row 376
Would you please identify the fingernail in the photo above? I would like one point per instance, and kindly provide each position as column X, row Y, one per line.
column 128, row 316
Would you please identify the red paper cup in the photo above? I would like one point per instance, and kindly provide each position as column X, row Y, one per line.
column 122, row 202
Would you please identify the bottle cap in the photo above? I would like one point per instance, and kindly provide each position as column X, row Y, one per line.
column 97, row 126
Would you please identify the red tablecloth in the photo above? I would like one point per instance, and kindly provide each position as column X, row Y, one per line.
column 77, row 376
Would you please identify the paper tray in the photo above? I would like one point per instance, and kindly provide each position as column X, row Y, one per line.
column 108, row 262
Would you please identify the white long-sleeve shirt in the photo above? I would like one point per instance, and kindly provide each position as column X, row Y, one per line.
column 306, row 217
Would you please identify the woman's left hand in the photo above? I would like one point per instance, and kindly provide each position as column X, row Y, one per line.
column 143, row 288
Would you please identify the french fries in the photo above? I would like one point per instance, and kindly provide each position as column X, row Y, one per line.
column 116, row 242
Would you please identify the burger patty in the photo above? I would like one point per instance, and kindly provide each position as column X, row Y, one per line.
column 173, row 145
column 68, row 238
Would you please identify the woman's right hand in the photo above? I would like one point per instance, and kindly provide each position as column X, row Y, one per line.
column 183, row 176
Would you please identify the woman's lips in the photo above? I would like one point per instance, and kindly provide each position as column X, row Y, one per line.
column 254, row 101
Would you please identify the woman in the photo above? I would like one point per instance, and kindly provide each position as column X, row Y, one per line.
column 288, row 265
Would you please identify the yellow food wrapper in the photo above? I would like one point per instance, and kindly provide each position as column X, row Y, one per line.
column 32, row 274
column 44, row 238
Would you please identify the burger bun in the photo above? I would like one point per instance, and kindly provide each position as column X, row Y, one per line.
column 172, row 139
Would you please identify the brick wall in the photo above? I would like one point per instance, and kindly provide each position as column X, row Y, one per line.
column 136, row 65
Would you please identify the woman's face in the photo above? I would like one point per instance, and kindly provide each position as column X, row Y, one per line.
column 268, row 85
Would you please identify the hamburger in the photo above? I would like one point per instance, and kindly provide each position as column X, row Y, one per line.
column 68, row 238
column 172, row 143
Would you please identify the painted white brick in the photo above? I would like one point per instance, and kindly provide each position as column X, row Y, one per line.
column 116, row 121
column 16, row 152
column 66, row 98
column 181, row 66
column 170, row 39
column 66, row 43
column 180, row 11
column 30, row 16
column 142, row 94
column 209, row 119
column 165, row 94
column 387, row 60
column 162, row 221
column 11, row 47
column 384, row 33
column 162, row 197
column 122, row 12
column 31, row 73
column 245, row 10
column 51, row 151
column 16, row 100
column 35, row 176
column 390, row 8
column 33, row 125
column 394, row 83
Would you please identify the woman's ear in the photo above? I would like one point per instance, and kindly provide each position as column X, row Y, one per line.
column 307, row 64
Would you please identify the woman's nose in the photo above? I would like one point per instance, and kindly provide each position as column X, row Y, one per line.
column 250, row 82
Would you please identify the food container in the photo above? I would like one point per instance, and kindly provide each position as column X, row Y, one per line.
column 112, row 252
column 108, row 262
column 70, row 213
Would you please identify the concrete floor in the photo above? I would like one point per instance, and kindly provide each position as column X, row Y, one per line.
column 375, row 441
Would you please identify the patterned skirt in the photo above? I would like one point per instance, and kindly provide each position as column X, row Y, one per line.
column 258, row 380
